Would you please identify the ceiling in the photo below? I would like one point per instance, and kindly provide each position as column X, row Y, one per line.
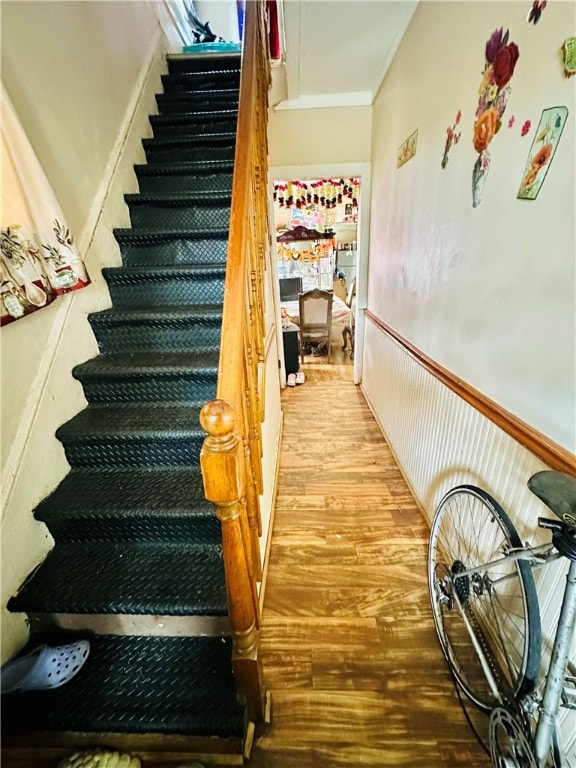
column 337, row 51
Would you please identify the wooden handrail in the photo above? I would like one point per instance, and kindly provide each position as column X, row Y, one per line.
column 552, row 454
column 231, row 456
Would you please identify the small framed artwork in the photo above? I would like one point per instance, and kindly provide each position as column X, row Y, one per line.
column 348, row 209
column 542, row 151
column 407, row 150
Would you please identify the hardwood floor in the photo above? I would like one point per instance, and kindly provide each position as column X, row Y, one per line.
column 349, row 649
column 348, row 644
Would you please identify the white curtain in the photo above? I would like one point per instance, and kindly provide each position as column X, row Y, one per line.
column 38, row 258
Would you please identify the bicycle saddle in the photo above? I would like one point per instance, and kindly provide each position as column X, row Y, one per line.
column 558, row 491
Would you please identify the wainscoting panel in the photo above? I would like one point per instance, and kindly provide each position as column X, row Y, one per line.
column 440, row 441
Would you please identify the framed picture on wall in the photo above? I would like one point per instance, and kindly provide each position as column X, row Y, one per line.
column 542, row 151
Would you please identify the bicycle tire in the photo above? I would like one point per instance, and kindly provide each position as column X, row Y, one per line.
column 470, row 528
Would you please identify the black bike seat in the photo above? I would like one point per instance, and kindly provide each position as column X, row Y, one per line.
column 558, row 491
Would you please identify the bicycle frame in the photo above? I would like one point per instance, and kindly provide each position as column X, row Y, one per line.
column 550, row 705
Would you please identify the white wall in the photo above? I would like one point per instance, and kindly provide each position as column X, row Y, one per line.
column 82, row 77
column 488, row 292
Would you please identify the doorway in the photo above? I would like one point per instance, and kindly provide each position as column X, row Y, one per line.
column 332, row 203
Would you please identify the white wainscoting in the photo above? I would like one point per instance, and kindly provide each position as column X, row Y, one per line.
column 440, row 441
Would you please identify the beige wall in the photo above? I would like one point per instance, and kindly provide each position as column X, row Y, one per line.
column 316, row 136
column 82, row 77
column 489, row 292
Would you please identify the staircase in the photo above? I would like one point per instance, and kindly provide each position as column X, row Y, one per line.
column 137, row 566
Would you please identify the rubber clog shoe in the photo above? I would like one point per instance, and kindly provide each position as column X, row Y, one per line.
column 291, row 380
column 300, row 377
column 44, row 667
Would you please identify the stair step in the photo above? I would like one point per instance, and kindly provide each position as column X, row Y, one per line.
column 213, row 146
column 147, row 246
column 194, row 123
column 180, row 210
column 126, row 435
column 148, row 286
column 200, row 176
column 156, row 504
column 175, row 685
column 166, row 329
column 186, row 377
column 127, row 577
column 201, row 81
column 223, row 98
column 200, row 62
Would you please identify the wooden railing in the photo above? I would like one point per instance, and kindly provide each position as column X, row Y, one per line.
column 232, row 451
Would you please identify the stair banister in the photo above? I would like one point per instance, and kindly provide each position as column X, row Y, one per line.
column 232, row 451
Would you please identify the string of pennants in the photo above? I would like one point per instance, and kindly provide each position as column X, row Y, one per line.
column 326, row 192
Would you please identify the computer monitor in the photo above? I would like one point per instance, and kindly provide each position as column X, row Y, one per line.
column 290, row 287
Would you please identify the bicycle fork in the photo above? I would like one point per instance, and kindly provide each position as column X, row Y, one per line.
column 557, row 670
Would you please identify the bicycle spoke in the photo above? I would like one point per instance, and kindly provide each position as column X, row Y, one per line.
column 470, row 538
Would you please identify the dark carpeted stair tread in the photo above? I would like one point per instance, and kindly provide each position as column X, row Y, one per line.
column 173, row 125
column 192, row 167
column 161, row 315
column 134, row 491
column 149, row 419
column 153, row 363
column 152, row 235
column 200, row 62
column 214, row 146
column 149, row 376
column 202, row 140
column 161, row 504
column 126, row 434
column 176, row 685
column 208, row 100
column 183, row 210
column 147, row 286
column 193, row 118
column 147, row 245
column 171, row 578
column 180, row 199
column 166, row 329
column 144, row 273
column 204, row 176
column 199, row 81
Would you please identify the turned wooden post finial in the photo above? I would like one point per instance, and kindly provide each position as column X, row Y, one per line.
column 218, row 419
column 221, row 457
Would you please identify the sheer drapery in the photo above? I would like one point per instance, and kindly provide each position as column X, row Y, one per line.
column 38, row 258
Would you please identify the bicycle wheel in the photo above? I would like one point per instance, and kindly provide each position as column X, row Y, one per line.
column 471, row 530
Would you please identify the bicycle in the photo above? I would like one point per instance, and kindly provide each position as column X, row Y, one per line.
column 487, row 616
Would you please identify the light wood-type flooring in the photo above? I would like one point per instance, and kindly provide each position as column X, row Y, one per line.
column 349, row 648
column 350, row 654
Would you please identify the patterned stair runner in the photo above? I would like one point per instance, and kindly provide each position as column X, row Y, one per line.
column 134, row 535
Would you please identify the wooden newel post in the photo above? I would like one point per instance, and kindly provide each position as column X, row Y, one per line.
column 222, row 462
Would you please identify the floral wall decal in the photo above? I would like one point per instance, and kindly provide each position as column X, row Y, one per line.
column 526, row 128
column 452, row 137
column 501, row 57
column 542, row 151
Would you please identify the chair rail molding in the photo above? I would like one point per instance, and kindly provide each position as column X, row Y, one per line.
column 552, row 454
